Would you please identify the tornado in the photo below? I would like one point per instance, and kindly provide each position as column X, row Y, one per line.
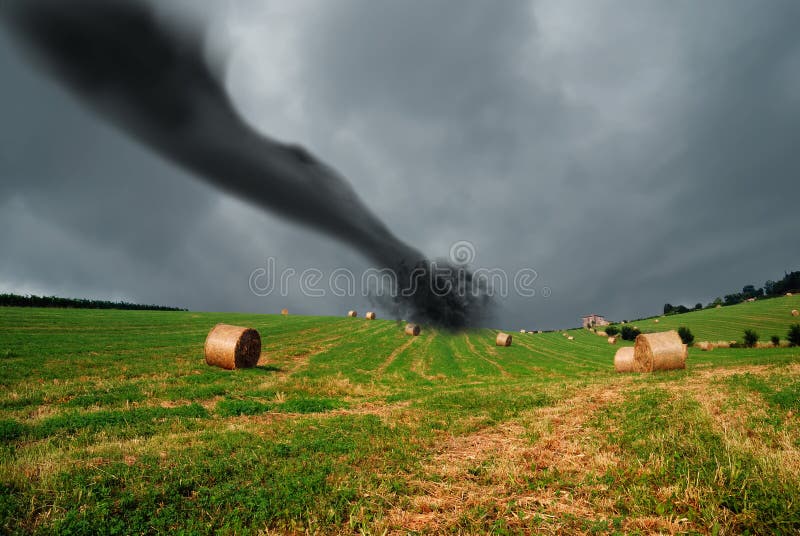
column 151, row 78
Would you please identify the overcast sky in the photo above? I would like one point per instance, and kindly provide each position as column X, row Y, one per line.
column 631, row 153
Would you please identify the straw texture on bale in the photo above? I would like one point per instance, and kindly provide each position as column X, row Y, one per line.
column 789, row 294
column 370, row 315
column 656, row 321
column 352, row 314
column 284, row 311
column 602, row 333
column 705, row 346
column 795, row 312
column 503, row 339
column 232, row 347
column 659, row 351
column 612, row 340
column 570, row 338
column 412, row 329
column 623, row 359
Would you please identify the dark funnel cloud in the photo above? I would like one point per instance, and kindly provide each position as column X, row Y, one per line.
column 151, row 78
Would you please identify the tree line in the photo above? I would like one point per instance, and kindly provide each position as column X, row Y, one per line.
column 31, row 300
column 771, row 289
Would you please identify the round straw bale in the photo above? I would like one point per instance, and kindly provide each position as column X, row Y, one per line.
column 623, row 359
column 656, row 321
column 284, row 311
column 795, row 312
column 370, row 315
column 718, row 306
column 705, row 346
column 352, row 314
column 232, row 347
column 522, row 331
column 602, row 333
column 570, row 338
column 539, row 331
column 612, row 340
column 412, row 329
column 789, row 294
column 659, row 351
column 503, row 339
column 565, row 334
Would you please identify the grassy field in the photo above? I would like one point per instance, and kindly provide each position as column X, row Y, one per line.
column 110, row 422
column 767, row 317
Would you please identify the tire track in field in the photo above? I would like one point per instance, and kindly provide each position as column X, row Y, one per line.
column 396, row 352
column 474, row 351
column 299, row 362
column 571, row 360
column 418, row 366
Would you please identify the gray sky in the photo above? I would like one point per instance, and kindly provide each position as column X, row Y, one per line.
column 632, row 153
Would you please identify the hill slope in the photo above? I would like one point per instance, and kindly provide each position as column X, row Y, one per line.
column 768, row 317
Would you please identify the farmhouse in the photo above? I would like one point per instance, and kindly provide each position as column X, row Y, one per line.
column 590, row 321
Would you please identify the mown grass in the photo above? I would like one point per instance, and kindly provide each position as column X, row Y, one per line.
column 767, row 317
column 110, row 422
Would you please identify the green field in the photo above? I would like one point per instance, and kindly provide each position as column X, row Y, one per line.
column 768, row 317
column 110, row 422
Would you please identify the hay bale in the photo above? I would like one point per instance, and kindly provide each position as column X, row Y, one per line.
column 522, row 331
column 570, row 338
column 788, row 294
column 659, row 351
column 352, row 314
column 284, row 312
column 540, row 331
column 565, row 334
column 705, row 346
column 602, row 333
column 412, row 329
column 718, row 306
column 232, row 347
column 612, row 340
column 370, row 315
column 795, row 312
column 623, row 359
column 503, row 339
column 656, row 321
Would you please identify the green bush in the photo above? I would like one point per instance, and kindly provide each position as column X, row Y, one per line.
column 776, row 341
column 612, row 330
column 750, row 338
column 629, row 333
column 686, row 335
column 794, row 335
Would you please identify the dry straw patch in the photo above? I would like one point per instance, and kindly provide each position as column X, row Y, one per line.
column 490, row 468
column 775, row 450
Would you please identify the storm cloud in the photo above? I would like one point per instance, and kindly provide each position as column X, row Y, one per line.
column 631, row 153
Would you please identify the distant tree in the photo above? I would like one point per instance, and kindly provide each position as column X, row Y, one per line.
column 750, row 338
column 629, row 333
column 612, row 330
column 698, row 306
column 794, row 335
column 717, row 301
column 685, row 335
column 789, row 283
column 668, row 308
column 776, row 341
column 733, row 299
column 31, row 300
